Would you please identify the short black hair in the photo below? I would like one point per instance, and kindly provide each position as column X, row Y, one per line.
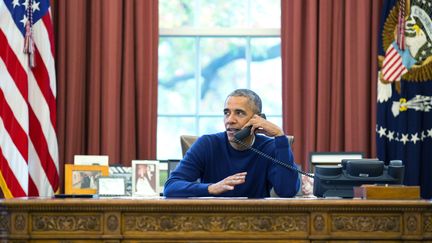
column 252, row 96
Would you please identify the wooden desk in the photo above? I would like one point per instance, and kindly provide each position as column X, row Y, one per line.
column 214, row 220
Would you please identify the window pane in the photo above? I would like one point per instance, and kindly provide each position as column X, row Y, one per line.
column 266, row 73
column 168, row 134
column 176, row 13
column 177, row 87
column 197, row 73
column 222, row 13
column 210, row 125
column 224, row 69
column 265, row 13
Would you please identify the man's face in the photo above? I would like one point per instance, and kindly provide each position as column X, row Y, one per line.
column 237, row 112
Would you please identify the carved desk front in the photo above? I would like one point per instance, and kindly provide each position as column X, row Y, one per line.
column 214, row 220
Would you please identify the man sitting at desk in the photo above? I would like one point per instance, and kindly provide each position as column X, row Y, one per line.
column 216, row 165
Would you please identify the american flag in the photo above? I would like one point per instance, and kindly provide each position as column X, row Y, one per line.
column 393, row 66
column 28, row 143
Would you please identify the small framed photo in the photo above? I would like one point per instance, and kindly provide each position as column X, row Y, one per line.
column 91, row 160
column 125, row 172
column 111, row 186
column 145, row 178
column 82, row 179
column 172, row 165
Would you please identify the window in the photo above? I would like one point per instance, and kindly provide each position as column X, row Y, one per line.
column 208, row 48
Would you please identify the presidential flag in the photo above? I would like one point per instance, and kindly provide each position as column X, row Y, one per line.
column 404, row 102
column 28, row 142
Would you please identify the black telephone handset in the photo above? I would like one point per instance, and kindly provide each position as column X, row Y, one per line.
column 245, row 132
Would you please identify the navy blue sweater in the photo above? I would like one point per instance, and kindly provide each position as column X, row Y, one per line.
column 211, row 159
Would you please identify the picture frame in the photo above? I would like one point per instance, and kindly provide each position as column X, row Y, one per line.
column 91, row 160
column 82, row 179
column 111, row 186
column 172, row 165
column 118, row 170
column 145, row 178
column 165, row 169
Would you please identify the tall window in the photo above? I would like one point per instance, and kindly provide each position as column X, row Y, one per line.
column 208, row 48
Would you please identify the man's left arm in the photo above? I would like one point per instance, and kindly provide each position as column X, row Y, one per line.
column 285, row 181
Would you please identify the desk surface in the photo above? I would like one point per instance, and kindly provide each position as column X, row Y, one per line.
column 214, row 220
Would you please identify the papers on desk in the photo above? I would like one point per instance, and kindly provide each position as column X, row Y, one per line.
column 131, row 197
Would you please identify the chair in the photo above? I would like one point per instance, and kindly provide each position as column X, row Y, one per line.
column 186, row 142
column 290, row 139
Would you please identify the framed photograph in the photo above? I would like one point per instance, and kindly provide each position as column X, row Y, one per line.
column 172, row 164
column 111, row 186
column 145, row 178
column 125, row 172
column 91, row 160
column 82, row 179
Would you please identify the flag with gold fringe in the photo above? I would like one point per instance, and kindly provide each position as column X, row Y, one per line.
column 28, row 143
column 404, row 102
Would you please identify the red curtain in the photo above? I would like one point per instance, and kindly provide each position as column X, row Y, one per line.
column 329, row 75
column 106, row 62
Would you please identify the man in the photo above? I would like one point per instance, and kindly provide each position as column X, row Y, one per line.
column 227, row 168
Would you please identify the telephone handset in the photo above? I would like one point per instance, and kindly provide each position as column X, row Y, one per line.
column 245, row 132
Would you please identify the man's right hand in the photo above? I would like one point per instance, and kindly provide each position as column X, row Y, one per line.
column 227, row 184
